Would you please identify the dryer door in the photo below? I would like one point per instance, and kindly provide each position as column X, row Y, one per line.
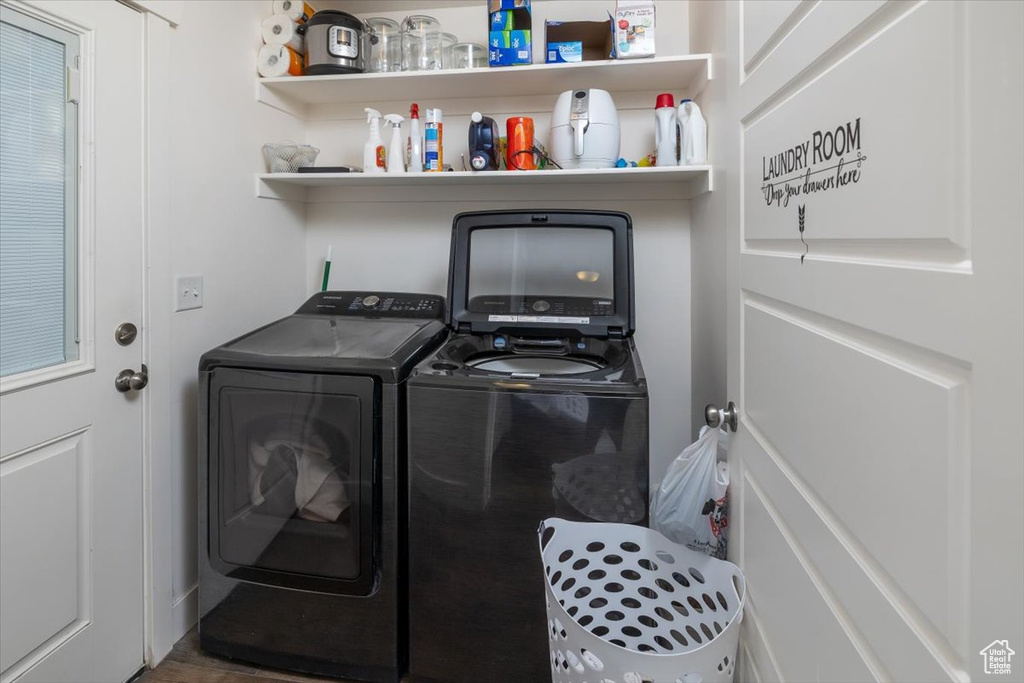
column 292, row 484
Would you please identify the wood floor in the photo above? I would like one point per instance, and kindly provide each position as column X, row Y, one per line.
column 188, row 664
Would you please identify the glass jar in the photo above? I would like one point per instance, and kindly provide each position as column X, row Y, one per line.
column 448, row 41
column 382, row 45
column 468, row 56
column 421, row 43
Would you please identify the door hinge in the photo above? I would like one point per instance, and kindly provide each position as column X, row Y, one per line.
column 73, row 84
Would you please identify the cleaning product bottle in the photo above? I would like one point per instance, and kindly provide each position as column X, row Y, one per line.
column 665, row 130
column 430, row 158
column 396, row 159
column 374, row 156
column 414, row 145
column 693, row 135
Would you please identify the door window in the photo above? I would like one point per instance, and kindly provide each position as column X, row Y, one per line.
column 38, row 195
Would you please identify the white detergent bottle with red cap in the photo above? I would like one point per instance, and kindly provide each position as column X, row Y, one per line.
column 665, row 130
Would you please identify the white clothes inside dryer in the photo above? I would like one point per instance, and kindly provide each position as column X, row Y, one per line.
column 290, row 457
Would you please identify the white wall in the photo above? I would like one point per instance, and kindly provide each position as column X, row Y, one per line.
column 249, row 251
column 709, row 219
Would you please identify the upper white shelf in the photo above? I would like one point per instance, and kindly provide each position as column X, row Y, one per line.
column 686, row 73
column 679, row 182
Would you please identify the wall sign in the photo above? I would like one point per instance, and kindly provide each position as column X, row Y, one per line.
column 829, row 159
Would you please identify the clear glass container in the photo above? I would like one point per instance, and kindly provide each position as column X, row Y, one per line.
column 448, row 41
column 468, row 56
column 421, row 43
column 382, row 45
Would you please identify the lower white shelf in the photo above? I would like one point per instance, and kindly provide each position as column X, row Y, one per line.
column 676, row 182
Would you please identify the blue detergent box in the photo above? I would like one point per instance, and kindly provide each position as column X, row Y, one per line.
column 559, row 53
column 510, row 48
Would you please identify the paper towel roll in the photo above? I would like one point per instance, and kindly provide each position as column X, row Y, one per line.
column 281, row 30
column 297, row 10
column 278, row 60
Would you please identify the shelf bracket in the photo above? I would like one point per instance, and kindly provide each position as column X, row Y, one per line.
column 271, row 189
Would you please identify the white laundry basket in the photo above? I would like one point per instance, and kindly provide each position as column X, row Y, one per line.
column 626, row 605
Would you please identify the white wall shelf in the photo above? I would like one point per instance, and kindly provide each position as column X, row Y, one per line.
column 687, row 73
column 673, row 182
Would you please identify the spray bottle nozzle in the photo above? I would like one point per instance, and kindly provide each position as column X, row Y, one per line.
column 371, row 114
column 394, row 119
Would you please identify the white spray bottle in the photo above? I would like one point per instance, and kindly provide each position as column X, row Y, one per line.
column 414, row 145
column 374, row 156
column 693, row 135
column 396, row 155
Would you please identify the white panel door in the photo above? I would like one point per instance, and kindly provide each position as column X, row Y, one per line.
column 71, row 533
column 876, row 335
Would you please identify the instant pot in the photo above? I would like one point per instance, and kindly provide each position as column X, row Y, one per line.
column 333, row 42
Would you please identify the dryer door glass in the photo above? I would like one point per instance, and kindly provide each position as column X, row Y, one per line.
column 291, row 478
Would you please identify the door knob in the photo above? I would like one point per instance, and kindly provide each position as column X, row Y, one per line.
column 715, row 416
column 129, row 380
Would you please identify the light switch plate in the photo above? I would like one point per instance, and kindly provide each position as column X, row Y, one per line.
column 188, row 292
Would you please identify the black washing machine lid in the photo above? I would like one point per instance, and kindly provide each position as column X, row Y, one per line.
column 542, row 273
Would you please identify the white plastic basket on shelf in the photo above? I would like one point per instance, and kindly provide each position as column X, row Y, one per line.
column 626, row 605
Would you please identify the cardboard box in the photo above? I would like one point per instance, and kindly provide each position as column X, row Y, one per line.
column 634, row 29
column 578, row 41
column 510, row 48
column 510, row 32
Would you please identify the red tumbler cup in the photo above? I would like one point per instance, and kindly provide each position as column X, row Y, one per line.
column 519, row 155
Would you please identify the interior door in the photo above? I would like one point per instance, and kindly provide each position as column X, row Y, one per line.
column 875, row 336
column 71, row 529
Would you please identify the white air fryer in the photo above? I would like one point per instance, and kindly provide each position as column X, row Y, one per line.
column 585, row 130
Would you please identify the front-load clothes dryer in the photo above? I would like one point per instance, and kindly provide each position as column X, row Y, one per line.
column 300, row 456
column 535, row 407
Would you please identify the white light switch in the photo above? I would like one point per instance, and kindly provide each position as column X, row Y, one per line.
column 188, row 292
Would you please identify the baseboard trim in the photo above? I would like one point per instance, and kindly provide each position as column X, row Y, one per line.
column 185, row 612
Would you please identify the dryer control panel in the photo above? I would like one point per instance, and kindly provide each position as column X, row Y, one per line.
column 376, row 305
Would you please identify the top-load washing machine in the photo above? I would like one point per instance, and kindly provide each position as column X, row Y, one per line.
column 536, row 406
column 301, row 455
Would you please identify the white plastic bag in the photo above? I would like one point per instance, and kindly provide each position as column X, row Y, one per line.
column 691, row 506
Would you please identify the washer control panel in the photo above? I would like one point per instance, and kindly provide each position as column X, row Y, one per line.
column 376, row 304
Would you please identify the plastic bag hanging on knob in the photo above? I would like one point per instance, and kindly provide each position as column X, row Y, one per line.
column 691, row 506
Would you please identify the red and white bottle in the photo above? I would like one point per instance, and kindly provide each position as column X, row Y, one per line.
column 665, row 131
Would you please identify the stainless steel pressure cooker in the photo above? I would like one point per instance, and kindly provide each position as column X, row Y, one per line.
column 333, row 41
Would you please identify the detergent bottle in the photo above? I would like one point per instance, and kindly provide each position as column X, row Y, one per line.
column 396, row 157
column 665, row 130
column 374, row 156
column 693, row 135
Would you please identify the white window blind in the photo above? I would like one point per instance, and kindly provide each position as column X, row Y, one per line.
column 38, row 196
